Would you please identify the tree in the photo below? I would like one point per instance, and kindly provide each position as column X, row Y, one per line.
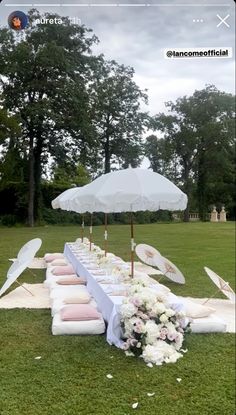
column 11, row 159
column 200, row 131
column 70, row 175
column 9, row 126
column 162, row 157
column 43, row 81
column 115, row 113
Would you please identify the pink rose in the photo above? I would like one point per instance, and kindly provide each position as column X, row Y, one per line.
column 133, row 342
column 171, row 336
column 143, row 315
column 138, row 329
column 135, row 301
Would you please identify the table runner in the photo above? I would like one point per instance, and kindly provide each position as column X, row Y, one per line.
column 108, row 306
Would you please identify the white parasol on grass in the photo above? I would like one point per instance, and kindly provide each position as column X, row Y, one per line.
column 14, row 272
column 169, row 270
column 147, row 254
column 29, row 249
column 222, row 285
column 130, row 190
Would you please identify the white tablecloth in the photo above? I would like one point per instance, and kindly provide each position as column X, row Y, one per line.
column 107, row 305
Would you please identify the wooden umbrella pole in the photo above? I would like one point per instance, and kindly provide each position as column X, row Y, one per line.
column 212, row 296
column 105, row 235
column 31, row 272
column 132, row 244
column 24, row 288
column 82, row 229
column 91, row 232
column 163, row 275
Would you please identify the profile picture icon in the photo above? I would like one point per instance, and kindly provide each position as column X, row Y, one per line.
column 17, row 20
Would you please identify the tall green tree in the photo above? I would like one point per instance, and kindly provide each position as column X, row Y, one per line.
column 43, row 81
column 116, row 113
column 69, row 175
column 11, row 158
column 9, row 127
column 162, row 157
column 200, row 131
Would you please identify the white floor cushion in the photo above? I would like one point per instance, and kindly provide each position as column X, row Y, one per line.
column 211, row 324
column 60, row 327
column 64, row 291
column 58, row 303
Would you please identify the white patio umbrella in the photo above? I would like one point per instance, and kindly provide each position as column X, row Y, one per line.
column 75, row 205
column 63, row 202
column 63, row 198
column 130, row 190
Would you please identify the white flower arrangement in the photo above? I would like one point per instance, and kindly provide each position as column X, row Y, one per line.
column 103, row 261
column 122, row 272
column 152, row 330
column 84, row 242
column 100, row 254
column 110, row 255
column 84, row 246
column 95, row 249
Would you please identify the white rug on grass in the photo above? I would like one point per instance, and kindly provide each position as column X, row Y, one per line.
column 20, row 298
column 37, row 263
column 225, row 309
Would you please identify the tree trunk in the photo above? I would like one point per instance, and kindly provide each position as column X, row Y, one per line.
column 107, row 155
column 186, row 173
column 31, row 183
column 37, row 177
column 201, row 188
column 186, row 214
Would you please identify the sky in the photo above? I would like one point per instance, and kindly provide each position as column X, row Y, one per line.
column 136, row 35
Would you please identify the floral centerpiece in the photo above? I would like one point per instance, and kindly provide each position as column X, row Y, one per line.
column 83, row 246
column 103, row 261
column 96, row 249
column 85, row 241
column 100, row 254
column 152, row 329
column 122, row 272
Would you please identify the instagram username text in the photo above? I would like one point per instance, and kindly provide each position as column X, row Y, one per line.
column 176, row 53
column 57, row 21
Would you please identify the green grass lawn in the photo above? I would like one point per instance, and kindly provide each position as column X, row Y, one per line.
column 70, row 378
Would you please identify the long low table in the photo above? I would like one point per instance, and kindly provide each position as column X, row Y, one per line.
column 108, row 306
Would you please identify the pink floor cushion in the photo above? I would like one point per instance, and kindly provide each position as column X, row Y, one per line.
column 59, row 262
column 71, row 281
column 51, row 257
column 63, row 270
column 79, row 312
